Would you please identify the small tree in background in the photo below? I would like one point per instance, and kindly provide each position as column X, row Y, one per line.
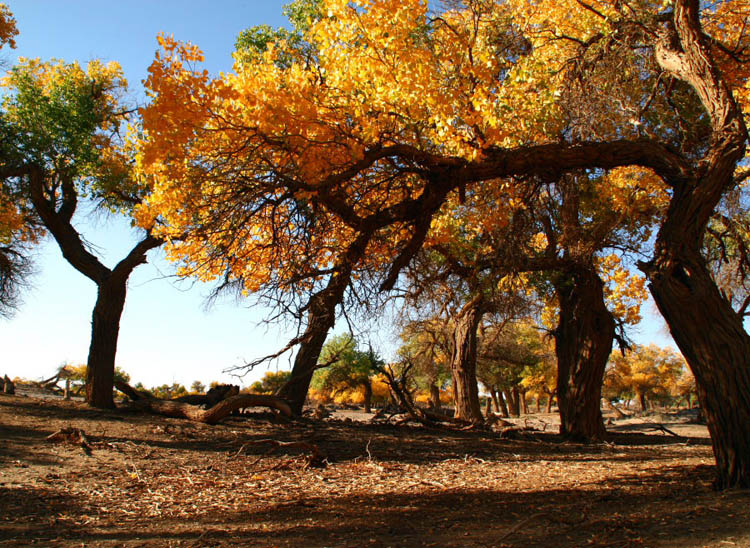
column 271, row 382
column 344, row 367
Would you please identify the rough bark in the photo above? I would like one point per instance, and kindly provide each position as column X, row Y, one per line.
column 435, row 397
column 712, row 338
column 368, row 396
column 173, row 408
column 497, row 395
column 583, row 343
column 514, row 407
column 709, row 333
column 464, row 362
column 321, row 317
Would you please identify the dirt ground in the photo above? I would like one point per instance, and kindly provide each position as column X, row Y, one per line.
column 152, row 481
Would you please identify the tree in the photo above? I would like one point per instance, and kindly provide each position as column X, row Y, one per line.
column 343, row 366
column 271, row 382
column 426, row 345
column 646, row 372
column 197, row 387
column 61, row 143
column 442, row 103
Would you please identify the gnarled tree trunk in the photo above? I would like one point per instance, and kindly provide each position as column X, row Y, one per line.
column 464, row 362
column 711, row 336
column 321, row 317
column 583, row 342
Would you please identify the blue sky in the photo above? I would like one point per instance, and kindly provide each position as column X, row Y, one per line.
column 166, row 335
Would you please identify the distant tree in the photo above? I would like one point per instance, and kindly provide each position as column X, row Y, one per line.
column 271, row 382
column 197, row 387
column 646, row 373
column 343, row 366
column 169, row 391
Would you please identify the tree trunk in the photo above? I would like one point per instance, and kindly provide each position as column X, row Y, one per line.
column 368, row 396
column 524, row 403
column 435, row 397
column 503, row 405
column 642, row 401
column 320, row 319
column 711, row 336
column 464, row 362
column 57, row 213
column 550, row 398
column 538, row 404
column 296, row 388
column 8, row 386
column 583, row 343
column 514, row 408
column 105, row 329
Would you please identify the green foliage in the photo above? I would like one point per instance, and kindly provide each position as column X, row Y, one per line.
column 253, row 42
column 271, row 382
column 509, row 355
column 344, row 366
column 65, row 120
column 169, row 391
column 197, row 387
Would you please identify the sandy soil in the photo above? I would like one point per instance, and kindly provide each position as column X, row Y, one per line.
column 153, row 481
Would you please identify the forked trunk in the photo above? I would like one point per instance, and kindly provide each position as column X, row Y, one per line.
column 464, row 362
column 105, row 329
column 583, row 342
column 711, row 337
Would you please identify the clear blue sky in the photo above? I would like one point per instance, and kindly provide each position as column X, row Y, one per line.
column 165, row 336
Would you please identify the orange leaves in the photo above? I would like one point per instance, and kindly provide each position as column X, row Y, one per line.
column 624, row 290
column 8, row 30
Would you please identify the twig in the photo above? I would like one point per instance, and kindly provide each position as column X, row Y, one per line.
column 520, row 524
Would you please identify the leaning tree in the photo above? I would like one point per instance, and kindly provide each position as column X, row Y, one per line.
column 398, row 109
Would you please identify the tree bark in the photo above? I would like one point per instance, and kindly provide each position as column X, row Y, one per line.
column 550, row 397
column 583, row 343
column 320, row 319
column 435, row 397
column 711, row 336
column 464, row 362
column 368, row 396
column 514, row 407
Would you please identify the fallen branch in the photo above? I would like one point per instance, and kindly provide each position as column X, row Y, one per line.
column 518, row 525
column 315, row 459
column 171, row 408
column 72, row 435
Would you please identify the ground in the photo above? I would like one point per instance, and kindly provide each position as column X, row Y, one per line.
column 153, row 481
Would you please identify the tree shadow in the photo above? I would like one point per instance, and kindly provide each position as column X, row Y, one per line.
column 674, row 505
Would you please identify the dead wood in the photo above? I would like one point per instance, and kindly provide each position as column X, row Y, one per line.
column 620, row 414
column 171, row 408
column 8, row 386
column 72, row 435
column 520, row 524
column 315, row 459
